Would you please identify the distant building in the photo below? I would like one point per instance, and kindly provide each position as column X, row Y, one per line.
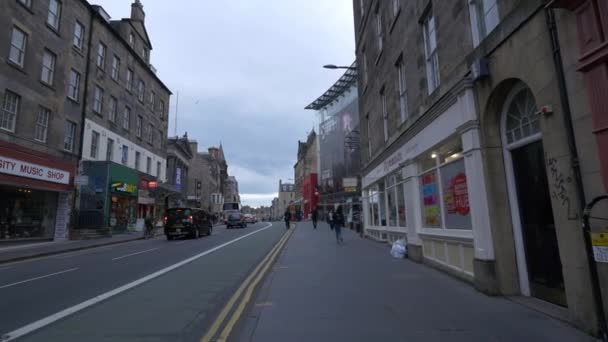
column 305, row 173
column 231, row 190
column 205, row 179
column 274, row 209
column 179, row 155
column 287, row 196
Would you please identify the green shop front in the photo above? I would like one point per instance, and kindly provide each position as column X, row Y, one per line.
column 108, row 198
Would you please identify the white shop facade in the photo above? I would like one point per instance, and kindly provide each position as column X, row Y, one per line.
column 431, row 191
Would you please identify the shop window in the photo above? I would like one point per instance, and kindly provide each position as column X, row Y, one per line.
column 27, row 214
column 401, row 205
column 94, row 145
column 382, row 204
column 125, row 154
column 391, row 208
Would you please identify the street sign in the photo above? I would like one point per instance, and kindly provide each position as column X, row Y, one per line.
column 350, row 189
column 81, row 180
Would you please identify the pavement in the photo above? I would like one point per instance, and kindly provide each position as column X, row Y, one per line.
column 322, row 291
column 144, row 290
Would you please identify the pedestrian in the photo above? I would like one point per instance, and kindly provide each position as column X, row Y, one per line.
column 338, row 224
column 314, row 216
column 330, row 219
column 287, row 218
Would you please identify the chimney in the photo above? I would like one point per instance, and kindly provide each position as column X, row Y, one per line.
column 137, row 11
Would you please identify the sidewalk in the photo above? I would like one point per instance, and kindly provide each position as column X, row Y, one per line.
column 321, row 291
column 40, row 249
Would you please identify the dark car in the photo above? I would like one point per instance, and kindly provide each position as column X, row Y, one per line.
column 192, row 223
column 236, row 220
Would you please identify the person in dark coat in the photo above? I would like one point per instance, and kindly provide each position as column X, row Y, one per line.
column 338, row 223
column 315, row 217
column 287, row 218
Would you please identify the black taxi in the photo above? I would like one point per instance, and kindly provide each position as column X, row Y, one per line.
column 188, row 222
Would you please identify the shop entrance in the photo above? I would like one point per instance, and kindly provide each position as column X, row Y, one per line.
column 27, row 214
column 539, row 261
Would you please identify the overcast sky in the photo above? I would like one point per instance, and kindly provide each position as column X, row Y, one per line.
column 244, row 71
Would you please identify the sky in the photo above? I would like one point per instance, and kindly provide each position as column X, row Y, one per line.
column 244, row 71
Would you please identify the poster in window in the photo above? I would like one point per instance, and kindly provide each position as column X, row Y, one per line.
column 431, row 210
column 456, row 196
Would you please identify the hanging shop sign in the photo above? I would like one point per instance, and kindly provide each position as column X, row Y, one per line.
column 29, row 170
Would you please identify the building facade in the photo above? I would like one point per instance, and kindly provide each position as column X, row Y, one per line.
column 206, row 181
column 305, row 173
column 338, row 147
column 179, row 156
column 287, row 196
column 231, row 190
column 448, row 95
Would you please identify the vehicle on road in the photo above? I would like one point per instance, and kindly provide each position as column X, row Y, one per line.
column 250, row 218
column 236, row 220
column 188, row 222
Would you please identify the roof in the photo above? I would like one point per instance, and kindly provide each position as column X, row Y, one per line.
column 346, row 81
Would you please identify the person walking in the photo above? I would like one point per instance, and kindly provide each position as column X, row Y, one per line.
column 287, row 217
column 315, row 217
column 338, row 224
column 330, row 219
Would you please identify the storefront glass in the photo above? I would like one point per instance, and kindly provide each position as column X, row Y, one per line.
column 455, row 195
column 382, row 204
column 122, row 212
column 374, row 207
column 401, row 204
column 391, row 201
column 431, row 209
column 27, row 213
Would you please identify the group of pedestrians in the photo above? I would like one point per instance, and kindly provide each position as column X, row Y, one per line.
column 335, row 219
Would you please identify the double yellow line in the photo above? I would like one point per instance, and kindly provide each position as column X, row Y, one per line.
column 248, row 286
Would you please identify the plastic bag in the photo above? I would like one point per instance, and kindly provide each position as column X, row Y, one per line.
column 399, row 249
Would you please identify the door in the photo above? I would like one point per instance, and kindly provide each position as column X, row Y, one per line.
column 537, row 225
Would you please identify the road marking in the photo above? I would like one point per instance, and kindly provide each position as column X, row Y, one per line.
column 136, row 253
column 37, row 278
column 179, row 243
column 226, row 310
column 78, row 307
column 79, row 253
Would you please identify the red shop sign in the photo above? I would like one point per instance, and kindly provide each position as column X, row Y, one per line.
column 457, row 195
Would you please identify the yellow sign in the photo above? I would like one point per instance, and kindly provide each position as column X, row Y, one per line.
column 350, row 189
column 599, row 239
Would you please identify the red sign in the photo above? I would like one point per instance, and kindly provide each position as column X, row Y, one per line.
column 457, row 195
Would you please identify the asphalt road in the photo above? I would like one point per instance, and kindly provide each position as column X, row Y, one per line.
column 174, row 306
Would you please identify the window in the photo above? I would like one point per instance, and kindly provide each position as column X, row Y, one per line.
column 74, row 85
column 379, row 30
column 94, row 144
column 430, row 51
column 98, row 100
column 396, row 7
column 131, row 39
column 141, row 89
column 113, row 109
column 144, row 53
column 137, row 159
column 69, row 136
column 18, row 46
column 126, row 118
column 384, row 114
column 157, row 169
column 484, row 18
column 78, row 35
column 162, row 109
column 369, row 135
column 391, row 202
column 149, row 165
column 48, row 67
column 115, row 67
column 54, row 14
column 362, row 8
column 364, row 67
column 402, row 89
column 26, row 3
column 129, row 79
column 10, row 109
column 521, row 118
column 125, row 154
column 152, row 99
column 101, row 56
column 150, row 133
column 110, row 150
column 42, row 124
column 138, row 126
column 160, row 138
column 401, row 205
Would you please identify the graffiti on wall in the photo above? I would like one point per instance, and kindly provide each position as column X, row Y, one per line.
column 558, row 183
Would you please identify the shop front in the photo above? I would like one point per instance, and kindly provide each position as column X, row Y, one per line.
column 35, row 192
column 422, row 192
column 123, row 198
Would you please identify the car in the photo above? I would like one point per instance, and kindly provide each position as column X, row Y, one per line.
column 250, row 218
column 188, row 222
column 236, row 220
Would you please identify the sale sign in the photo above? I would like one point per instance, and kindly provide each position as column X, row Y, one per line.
column 456, row 195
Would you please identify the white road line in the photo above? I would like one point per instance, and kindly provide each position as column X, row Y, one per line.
column 41, row 277
column 136, row 253
column 71, row 310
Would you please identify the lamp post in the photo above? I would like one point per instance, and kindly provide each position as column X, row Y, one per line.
column 333, row 66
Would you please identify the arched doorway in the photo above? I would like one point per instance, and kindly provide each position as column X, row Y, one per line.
column 538, row 259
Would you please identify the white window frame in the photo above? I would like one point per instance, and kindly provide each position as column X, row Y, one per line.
column 402, row 91
column 137, row 160
column 26, row 3
column 126, row 118
column 129, row 80
column 69, row 136
column 18, row 48
column 158, row 166
column 113, row 109
column 101, row 55
column 79, row 30
column 98, row 100
column 42, row 124
column 139, row 123
column 484, row 19
column 74, row 85
column 141, row 90
column 94, row 153
column 49, row 61
column 115, row 74
column 54, row 16
column 110, row 149
column 430, row 52
column 149, row 165
column 10, row 110
column 124, row 158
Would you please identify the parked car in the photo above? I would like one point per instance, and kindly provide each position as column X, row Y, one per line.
column 236, row 220
column 192, row 223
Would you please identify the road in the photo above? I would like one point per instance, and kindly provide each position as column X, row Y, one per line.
column 147, row 290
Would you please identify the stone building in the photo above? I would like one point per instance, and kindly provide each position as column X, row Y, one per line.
column 305, row 173
column 477, row 145
column 274, row 209
column 205, row 179
column 287, row 196
column 231, row 190
column 179, row 156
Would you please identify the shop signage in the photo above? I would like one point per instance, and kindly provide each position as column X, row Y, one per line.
column 349, row 182
column 28, row 170
column 457, row 195
column 430, row 196
column 350, row 189
column 599, row 241
column 81, row 180
column 178, row 179
column 393, row 161
column 124, row 187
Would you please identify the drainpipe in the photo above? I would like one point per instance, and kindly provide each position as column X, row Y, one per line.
column 576, row 170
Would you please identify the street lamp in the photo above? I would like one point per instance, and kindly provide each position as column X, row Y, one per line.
column 333, row 66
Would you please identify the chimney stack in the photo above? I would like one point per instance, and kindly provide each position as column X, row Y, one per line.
column 137, row 11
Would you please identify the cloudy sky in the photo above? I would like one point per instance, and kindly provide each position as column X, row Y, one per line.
column 244, row 71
